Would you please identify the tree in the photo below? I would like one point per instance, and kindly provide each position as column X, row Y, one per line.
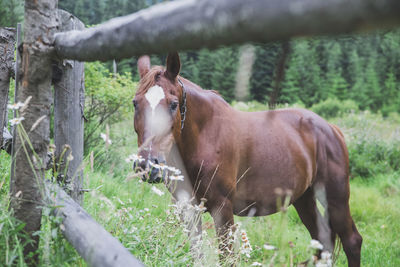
column 263, row 71
column 223, row 77
column 11, row 12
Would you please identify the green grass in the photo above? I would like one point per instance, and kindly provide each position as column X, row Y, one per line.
column 146, row 224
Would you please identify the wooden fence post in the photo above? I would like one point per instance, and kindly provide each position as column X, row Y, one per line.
column 29, row 168
column 68, row 116
column 7, row 41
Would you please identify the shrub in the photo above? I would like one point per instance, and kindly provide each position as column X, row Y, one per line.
column 332, row 107
column 108, row 99
column 373, row 143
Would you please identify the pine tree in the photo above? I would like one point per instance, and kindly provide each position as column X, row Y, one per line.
column 263, row 71
column 206, row 68
column 334, row 84
column 11, row 12
column 223, row 77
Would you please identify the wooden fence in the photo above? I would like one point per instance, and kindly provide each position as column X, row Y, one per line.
column 171, row 26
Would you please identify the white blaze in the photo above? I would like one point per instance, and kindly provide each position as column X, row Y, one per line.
column 154, row 95
column 158, row 121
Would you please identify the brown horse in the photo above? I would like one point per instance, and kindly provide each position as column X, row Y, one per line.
column 236, row 160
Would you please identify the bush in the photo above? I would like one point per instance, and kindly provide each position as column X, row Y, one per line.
column 108, row 99
column 332, row 107
column 373, row 143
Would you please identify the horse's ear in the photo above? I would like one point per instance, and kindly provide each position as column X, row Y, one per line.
column 143, row 65
column 173, row 65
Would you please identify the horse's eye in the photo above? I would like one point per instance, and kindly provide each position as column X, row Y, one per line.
column 134, row 103
column 174, row 105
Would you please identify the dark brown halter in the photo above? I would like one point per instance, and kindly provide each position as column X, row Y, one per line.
column 183, row 107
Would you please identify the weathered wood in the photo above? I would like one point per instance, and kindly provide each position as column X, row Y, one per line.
column 68, row 116
column 29, row 168
column 7, row 43
column 17, row 68
column 98, row 247
column 190, row 24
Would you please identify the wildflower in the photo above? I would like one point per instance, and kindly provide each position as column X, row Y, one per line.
column 106, row 138
column 174, row 170
column 134, row 158
column 15, row 106
column 315, row 244
column 157, row 191
column 16, row 121
column 176, row 177
column 256, row 264
column 269, row 247
column 70, row 157
column 246, row 247
column 146, row 209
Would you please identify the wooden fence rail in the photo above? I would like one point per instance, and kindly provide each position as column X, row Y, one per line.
column 190, row 24
column 98, row 247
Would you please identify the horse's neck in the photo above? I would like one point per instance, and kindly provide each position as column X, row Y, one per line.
column 202, row 106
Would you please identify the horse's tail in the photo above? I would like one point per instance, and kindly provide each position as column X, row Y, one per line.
column 340, row 136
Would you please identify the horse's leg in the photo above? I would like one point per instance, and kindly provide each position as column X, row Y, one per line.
column 342, row 222
column 223, row 221
column 190, row 217
column 316, row 224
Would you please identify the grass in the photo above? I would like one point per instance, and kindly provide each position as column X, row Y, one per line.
column 148, row 226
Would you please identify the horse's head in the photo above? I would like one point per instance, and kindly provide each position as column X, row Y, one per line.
column 158, row 104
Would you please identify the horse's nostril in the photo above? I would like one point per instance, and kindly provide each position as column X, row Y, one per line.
column 155, row 160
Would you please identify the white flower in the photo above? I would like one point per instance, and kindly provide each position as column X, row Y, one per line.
column 146, row 209
column 269, row 247
column 256, row 264
column 15, row 106
column 174, row 170
column 70, row 157
column 157, row 191
column 106, row 138
column 155, row 165
column 316, row 244
column 134, row 157
column 246, row 246
column 326, row 255
column 176, row 177
column 16, row 121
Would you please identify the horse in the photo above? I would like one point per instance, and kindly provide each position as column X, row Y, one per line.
column 241, row 162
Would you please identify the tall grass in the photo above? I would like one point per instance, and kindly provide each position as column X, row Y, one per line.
column 149, row 227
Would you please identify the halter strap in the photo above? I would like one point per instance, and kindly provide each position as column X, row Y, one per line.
column 183, row 107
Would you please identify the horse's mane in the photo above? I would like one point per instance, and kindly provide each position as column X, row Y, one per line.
column 150, row 79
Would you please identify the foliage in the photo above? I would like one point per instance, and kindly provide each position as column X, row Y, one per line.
column 373, row 143
column 108, row 99
column 94, row 12
column 11, row 12
column 147, row 225
column 11, row 230
column 332, row 107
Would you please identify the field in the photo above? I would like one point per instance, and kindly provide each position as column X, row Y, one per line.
column 147, row 225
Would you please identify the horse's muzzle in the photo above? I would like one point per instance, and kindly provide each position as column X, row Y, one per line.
column 152, row 173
